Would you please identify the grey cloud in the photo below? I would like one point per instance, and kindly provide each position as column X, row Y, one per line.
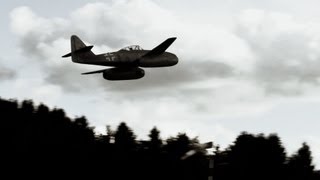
column 69, row 77
column 6, row 73
column 112, row 32
column 29, row 45
column 173, row 77
column 283, row 58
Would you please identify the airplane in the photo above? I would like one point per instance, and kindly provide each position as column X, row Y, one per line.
column 126, row 62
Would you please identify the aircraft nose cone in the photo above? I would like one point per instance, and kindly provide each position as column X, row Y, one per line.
column 174, row 60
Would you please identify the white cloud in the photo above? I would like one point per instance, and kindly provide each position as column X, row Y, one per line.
column 220, row 70
column 37, row 90
column 286, row 59
column 213, row 53
column 263, row 42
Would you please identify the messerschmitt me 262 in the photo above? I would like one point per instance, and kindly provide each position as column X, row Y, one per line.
column 126, row 62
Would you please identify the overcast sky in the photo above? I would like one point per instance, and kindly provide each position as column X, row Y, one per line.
column 245, row 65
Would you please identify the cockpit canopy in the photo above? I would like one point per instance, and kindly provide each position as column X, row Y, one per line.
column 132, row 48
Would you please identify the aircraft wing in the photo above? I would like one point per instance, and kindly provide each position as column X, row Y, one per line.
column 161, row 47
column 94, row 72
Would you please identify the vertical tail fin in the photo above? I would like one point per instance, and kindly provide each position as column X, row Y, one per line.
column 76, row 43
column 79, row 51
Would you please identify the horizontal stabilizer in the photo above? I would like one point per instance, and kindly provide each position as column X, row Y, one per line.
column 84, row 49
column 67, row 55
column 161, row 48
column 94, row 72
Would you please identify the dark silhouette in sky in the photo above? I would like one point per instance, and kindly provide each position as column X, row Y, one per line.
column 126, row 62
column 36, row 140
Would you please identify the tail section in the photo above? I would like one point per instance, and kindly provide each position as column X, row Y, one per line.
column 80, row 53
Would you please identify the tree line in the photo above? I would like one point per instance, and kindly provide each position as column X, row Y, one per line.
column 37, row 140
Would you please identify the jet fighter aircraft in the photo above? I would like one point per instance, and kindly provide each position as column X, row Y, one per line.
column 126, row 62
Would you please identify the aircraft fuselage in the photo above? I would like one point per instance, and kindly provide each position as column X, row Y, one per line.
column 132, row 58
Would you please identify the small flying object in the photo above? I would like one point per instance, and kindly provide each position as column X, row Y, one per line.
column 126, row 62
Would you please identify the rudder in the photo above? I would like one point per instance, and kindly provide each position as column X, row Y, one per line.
column 76, row 43
column 79, row 51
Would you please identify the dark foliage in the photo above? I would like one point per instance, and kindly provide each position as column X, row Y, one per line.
column 38, row 141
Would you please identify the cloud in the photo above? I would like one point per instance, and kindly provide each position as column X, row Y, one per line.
column 171, row 78
column 274, row 50
column 220, row 68
column 7, row 73
column 286, row 50
column 117, row 24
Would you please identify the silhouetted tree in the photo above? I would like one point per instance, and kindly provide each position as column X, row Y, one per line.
column 105, row 140
column 125, row 139
column 9, row 126
column 126, row 152
column 221, row 164
column 110, row 134
column 81, row 122
column 275, row 157
column 151, row 156
column 178, row 146
column 155, row 141
column 194, row 167
column 300, row 164
column 257, row 157
column 27, row 107
column 37, row 139
column 82, row 132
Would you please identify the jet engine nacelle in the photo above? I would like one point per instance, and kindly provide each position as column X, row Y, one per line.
column 123, row 73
